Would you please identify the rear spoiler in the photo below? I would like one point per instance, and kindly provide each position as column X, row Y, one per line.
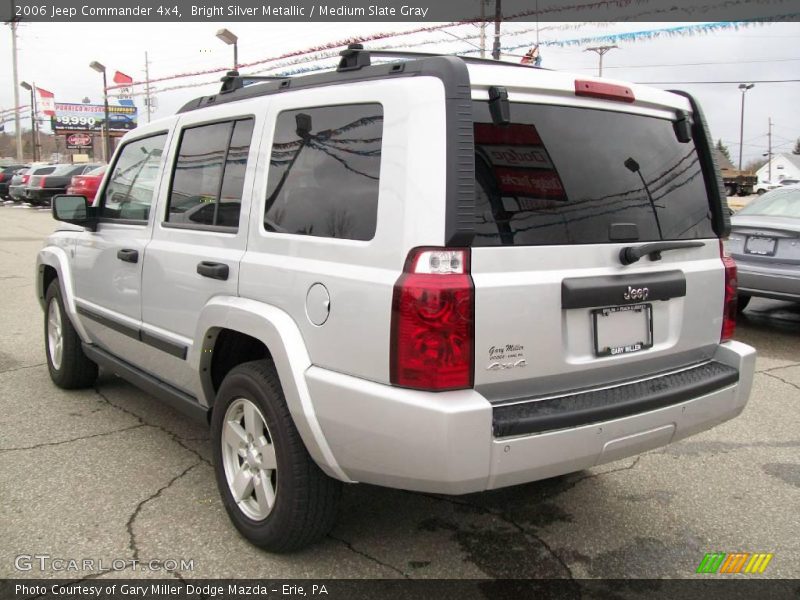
column 720, row 213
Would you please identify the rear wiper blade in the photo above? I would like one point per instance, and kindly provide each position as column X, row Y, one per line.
column 631, row 254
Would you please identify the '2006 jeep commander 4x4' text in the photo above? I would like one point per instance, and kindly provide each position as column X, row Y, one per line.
column 433, row 273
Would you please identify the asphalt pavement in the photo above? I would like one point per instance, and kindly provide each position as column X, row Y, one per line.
column 113, row 476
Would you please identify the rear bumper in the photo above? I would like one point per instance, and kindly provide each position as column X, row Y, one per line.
column 445, row 443
column 770, row 281
column 41, row 194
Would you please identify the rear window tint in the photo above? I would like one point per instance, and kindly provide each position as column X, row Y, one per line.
column 42, row 171
column 324, row 171
column 562, row 175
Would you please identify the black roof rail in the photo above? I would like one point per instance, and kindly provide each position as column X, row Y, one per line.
column 356, row 56
column 355, row 65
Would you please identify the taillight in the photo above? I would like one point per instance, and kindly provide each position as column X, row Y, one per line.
column 25, row 178
column 433, row 321
column 2, row 177
column 42, row 182
column 731, row 293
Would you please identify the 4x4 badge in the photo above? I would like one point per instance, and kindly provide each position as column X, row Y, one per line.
column 636, row 293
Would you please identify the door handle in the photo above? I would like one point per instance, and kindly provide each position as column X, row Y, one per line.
column 213, row 270
column 128, row 255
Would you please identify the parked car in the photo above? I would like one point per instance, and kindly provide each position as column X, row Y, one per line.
column 762, row 187
column 43, row 186
column 765, row 242
column 6, row 175
column 87, row 184
column 355, row 278
column 19, row 184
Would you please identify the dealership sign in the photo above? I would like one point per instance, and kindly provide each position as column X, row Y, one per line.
column 76, row 141
column 90, row 117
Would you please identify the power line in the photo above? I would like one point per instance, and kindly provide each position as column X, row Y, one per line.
column 720, row 82
column 697, row 64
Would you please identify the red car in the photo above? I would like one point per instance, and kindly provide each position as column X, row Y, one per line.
column 87, row 184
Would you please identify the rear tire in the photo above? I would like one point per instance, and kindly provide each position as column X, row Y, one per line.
column 741, row 302
column 275, row 494
column 69, row 367
column 761, row 192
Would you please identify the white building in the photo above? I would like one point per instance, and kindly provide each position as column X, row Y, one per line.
column 784, row 166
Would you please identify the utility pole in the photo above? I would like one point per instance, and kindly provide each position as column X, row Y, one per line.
column 769, row 150
column 498, row 16
column 483, row 28
column 743, row 87
column 17, row 124
column 147, row 85
column 601, row 51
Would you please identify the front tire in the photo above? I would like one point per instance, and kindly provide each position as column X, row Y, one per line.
column 69, row 367
column 275, row 494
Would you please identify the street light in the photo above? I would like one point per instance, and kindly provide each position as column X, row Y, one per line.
column 231, row 39
column 106, row 138
column 744, row 87
column 32, row 90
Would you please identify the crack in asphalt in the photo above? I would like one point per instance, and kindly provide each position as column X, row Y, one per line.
column 171, row 434
column 77, row 439
column 132, row 545
column 21, row 368
column 781, row 379
column 350, row 547
column 789, row 366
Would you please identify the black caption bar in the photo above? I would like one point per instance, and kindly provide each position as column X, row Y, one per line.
column 394, row 10
column 703, row 587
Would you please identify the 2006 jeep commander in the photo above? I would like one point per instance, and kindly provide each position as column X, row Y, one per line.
column 434, row 273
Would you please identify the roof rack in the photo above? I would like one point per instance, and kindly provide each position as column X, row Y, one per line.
column 355, row 65
column 356, row 56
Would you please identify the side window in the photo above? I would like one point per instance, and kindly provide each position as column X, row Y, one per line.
column 209, row 174
column 323, row 173
column 131, row 187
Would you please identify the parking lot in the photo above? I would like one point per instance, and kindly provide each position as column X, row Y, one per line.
column 112, row 475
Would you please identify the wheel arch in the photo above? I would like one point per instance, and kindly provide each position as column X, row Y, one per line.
column 259, row 330
column 52, row 264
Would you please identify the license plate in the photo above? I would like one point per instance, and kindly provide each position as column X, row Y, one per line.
column 622, row 329
column 763, row 246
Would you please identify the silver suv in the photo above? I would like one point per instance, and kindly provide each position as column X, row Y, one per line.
column 434, row 273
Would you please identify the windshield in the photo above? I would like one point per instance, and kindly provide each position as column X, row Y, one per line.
column 564, row 175
column 777, row 203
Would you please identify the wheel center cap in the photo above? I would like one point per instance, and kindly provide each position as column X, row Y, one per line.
column 252, row 456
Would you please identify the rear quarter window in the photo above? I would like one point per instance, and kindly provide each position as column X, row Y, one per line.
column 324, row 172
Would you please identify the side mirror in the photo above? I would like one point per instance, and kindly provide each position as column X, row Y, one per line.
column 74, row 209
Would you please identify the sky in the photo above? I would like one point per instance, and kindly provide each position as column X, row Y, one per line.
column 56, row 56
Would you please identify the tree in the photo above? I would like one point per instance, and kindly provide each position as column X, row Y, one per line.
column 723, row 149
column 796, row 149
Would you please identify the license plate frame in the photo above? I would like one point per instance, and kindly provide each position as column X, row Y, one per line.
column 608, row 344
column 765, row 245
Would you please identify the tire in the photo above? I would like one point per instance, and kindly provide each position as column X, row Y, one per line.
column 250, row 411
column 69, row 367
column 730, row 190
column 741, row 302
column 761, row 192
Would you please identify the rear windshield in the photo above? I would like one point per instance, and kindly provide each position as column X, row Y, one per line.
column 68, row 169
column 777, row 203
column 562, row 175
column 43, row 171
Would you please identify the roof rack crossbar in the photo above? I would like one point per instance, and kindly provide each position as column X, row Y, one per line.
column 232, row 80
